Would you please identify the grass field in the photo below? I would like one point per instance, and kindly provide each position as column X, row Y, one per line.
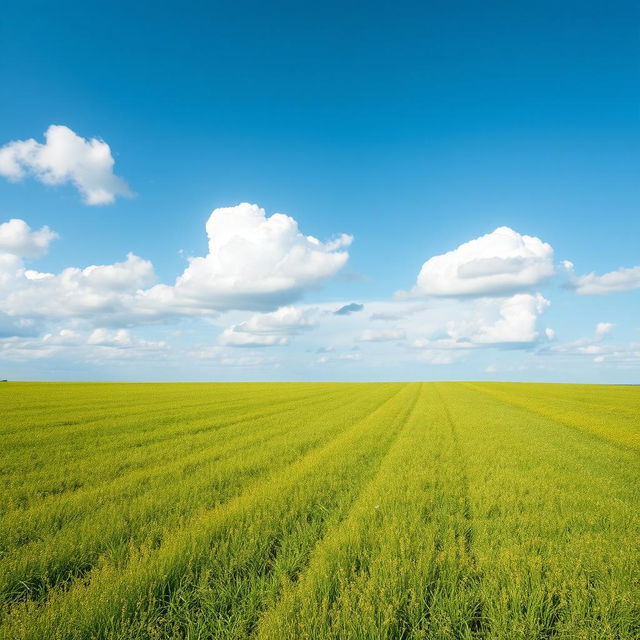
column 317, row 511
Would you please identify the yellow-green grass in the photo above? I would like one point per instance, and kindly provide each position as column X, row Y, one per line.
column 316, row 511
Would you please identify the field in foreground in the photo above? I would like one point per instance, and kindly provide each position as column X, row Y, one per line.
column 318, row 511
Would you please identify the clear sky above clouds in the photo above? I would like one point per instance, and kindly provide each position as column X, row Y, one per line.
column 349, row 191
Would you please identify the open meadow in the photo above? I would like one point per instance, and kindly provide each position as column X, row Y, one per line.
column 313, row 511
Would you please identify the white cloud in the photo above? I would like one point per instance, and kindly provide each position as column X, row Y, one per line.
column 482, row 323
column 286, row 320
column 488, row 322
column 90, row 292
column 17, row 238
column 18, row 242
column 269, row 329
column 64, row 337
column 517, row 322
column 220, row 356
column 342, row 357
column 254, row 262
column 65, row 157
column 383, row 335
column 597, row 348
column 233, row 338
column 589, row 346
column 449, row 343
column 624, row 279
column 498, row 262
column 110, row 338
column 80, row 346
column 627, row 356
column 604, row 328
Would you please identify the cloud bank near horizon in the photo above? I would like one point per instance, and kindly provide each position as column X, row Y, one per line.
column 478, row 296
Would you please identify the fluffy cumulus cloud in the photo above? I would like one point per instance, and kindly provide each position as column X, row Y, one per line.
column 495, row 263
column 254, row 262
column 96, row 291
column 65, row 157
column 269, row 329
column 497, row 322
column 517, row 322
column 17, row 242
column 624, row 279
column 17, row 238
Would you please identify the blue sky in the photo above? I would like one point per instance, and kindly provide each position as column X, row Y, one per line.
column 412, row 127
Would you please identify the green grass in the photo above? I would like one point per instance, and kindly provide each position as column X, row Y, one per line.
column 319, row 511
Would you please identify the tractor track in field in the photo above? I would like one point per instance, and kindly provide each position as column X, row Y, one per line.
column 478, row 623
